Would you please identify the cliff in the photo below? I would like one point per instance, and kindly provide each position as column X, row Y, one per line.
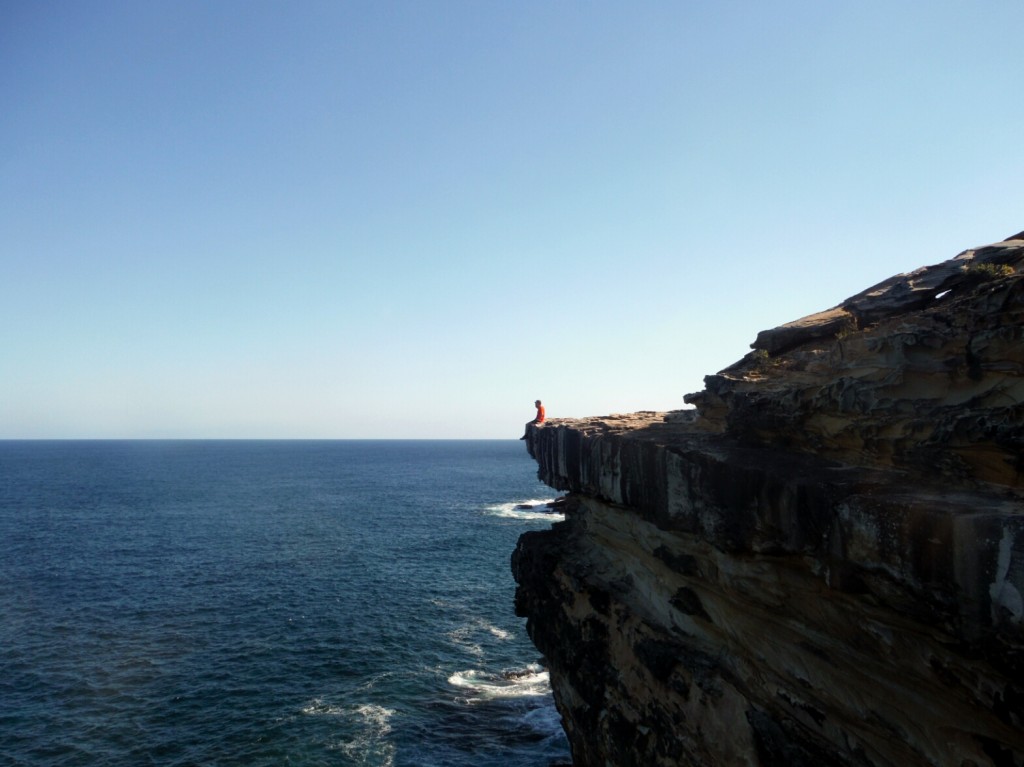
column 822, row 563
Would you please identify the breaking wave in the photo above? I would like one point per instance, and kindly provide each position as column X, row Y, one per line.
column 530, row 682
column 531, row 509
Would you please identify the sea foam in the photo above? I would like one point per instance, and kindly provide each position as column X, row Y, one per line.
column 531, row 509
column 529, row 682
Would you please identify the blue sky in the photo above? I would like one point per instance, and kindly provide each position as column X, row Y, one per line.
column 411, row 219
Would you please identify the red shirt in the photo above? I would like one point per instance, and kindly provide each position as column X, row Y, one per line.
column 540, row 414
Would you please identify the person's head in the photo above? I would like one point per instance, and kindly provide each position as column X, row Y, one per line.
column 537, row 403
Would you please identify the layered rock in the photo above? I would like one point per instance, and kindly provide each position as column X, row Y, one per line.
column 822, row 563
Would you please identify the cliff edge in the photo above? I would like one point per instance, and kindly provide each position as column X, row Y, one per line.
column 822, row 563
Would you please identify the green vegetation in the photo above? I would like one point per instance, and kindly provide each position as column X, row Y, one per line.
column 985, row 272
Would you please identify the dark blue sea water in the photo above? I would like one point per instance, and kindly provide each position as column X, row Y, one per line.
column 267, row 603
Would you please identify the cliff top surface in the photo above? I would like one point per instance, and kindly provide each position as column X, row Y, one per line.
column 922, row 373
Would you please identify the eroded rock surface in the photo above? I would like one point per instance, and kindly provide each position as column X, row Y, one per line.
column 922, row 371
column 821, row 564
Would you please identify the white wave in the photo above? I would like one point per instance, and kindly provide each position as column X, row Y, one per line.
column 468, row 636
column 530, row 682
column 463, row 637
column 369, row 745
column 376, row 716
column 500, row 633
column 317, row 707
column 533, row 508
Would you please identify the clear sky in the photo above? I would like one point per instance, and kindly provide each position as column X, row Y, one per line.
column 411, row 219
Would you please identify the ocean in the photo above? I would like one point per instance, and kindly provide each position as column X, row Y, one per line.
column 268, row 603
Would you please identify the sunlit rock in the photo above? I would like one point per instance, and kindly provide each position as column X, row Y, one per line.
column 822, row 563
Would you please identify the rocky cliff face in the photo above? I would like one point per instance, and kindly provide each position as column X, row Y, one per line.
column 822, row 563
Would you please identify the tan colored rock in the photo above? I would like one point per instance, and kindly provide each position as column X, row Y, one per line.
column 822, row 564
column 927, row 374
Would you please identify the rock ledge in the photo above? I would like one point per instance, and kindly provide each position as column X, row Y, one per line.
column 822, row 563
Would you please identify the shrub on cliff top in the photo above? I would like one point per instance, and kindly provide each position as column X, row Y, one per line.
column 986, row 272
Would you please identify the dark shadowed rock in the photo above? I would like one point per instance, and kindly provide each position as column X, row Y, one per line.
column 820, row 564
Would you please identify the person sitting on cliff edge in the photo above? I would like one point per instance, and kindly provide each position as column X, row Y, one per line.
column 537, row 420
